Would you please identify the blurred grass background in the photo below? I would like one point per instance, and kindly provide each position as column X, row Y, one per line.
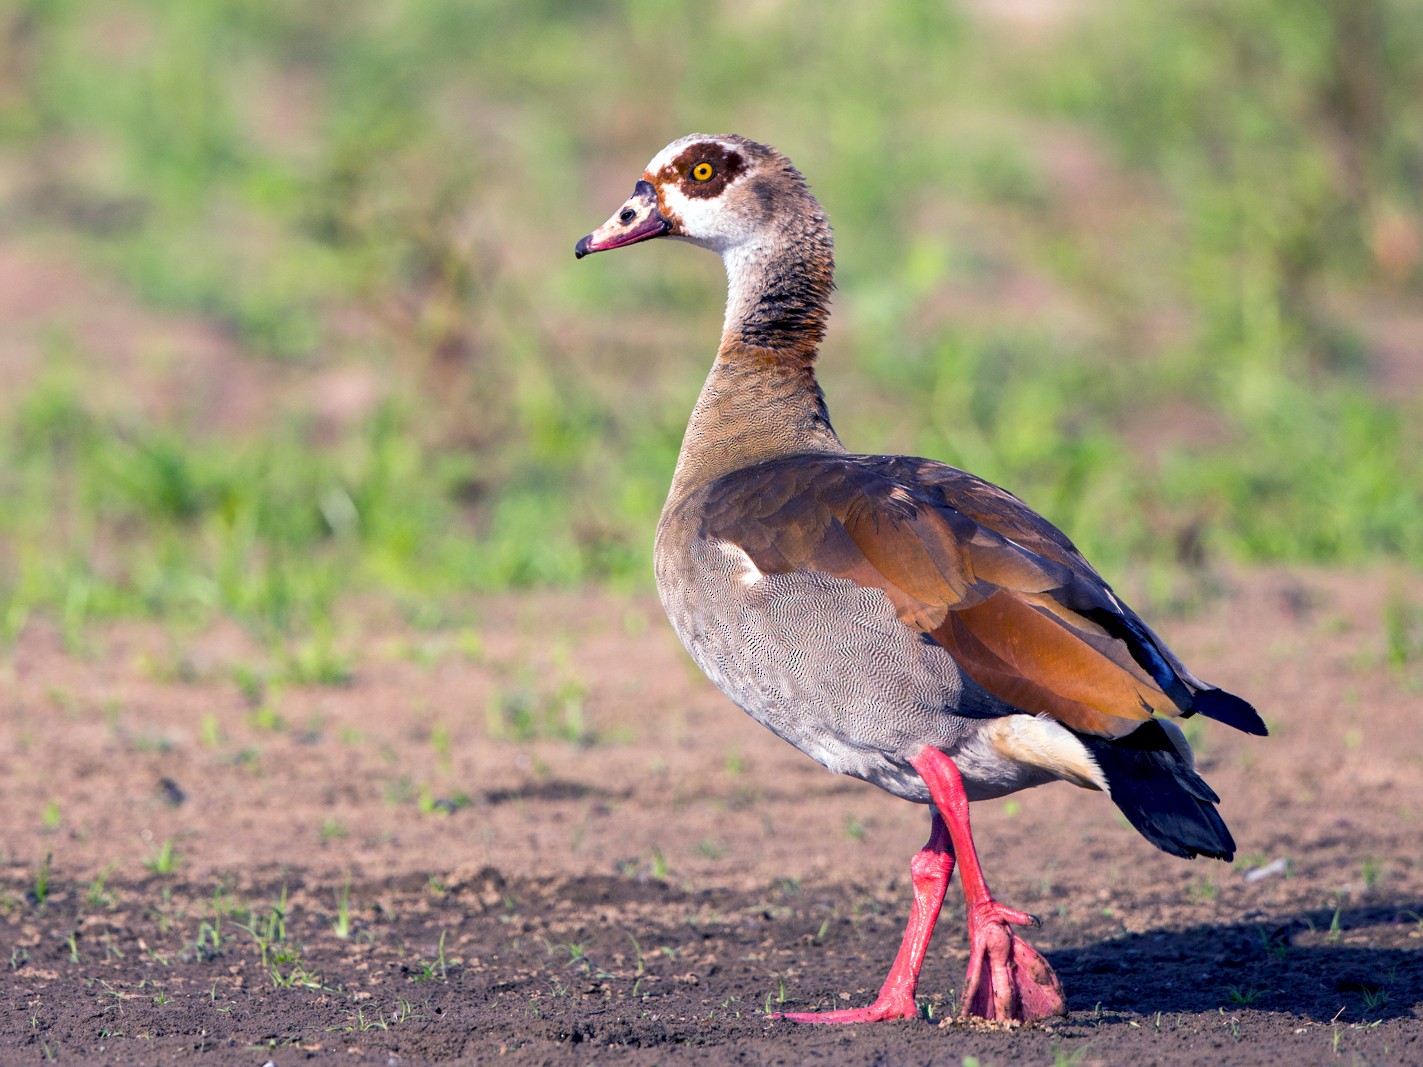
column 292, row 311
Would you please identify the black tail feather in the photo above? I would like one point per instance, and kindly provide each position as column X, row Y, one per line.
column 1230, row 709
column 1160, row 794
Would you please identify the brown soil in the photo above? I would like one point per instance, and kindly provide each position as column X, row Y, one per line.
column 644, row 892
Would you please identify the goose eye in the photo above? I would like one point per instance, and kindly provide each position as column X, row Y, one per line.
column 702, row 172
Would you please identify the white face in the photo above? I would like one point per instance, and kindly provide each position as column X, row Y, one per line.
column 698, row 179
column 719, row 192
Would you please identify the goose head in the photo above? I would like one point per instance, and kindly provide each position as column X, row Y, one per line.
column 722, row 192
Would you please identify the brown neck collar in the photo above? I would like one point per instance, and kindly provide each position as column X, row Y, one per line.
column 778, row 295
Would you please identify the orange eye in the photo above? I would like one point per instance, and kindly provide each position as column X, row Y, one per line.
column 703, row 172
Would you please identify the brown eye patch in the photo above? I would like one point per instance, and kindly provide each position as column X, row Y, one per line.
column 687, row 169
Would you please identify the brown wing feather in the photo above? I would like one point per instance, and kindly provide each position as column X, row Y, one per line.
column 965, row 576
column 1049, row 667
column 993, row 508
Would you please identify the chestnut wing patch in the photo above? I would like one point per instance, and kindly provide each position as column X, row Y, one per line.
column 1014, row 603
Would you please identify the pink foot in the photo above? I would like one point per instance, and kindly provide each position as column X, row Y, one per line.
column 1007, row 978
column 891, row 1007
column 930, row 870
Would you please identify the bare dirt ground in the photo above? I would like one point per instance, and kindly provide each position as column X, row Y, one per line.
column 535, row 834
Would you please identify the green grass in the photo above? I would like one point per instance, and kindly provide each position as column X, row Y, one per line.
column 341, row 925
column 40, row 886
column 163, row 859
column 1191, row 374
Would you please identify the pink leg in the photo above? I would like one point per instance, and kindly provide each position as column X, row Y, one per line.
column 1007, row 978
column 930, row 870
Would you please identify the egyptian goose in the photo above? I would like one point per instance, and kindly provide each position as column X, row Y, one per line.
column 895, row 619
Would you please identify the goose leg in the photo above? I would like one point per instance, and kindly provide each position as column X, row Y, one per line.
column 1007, row 978
column 930, row 871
